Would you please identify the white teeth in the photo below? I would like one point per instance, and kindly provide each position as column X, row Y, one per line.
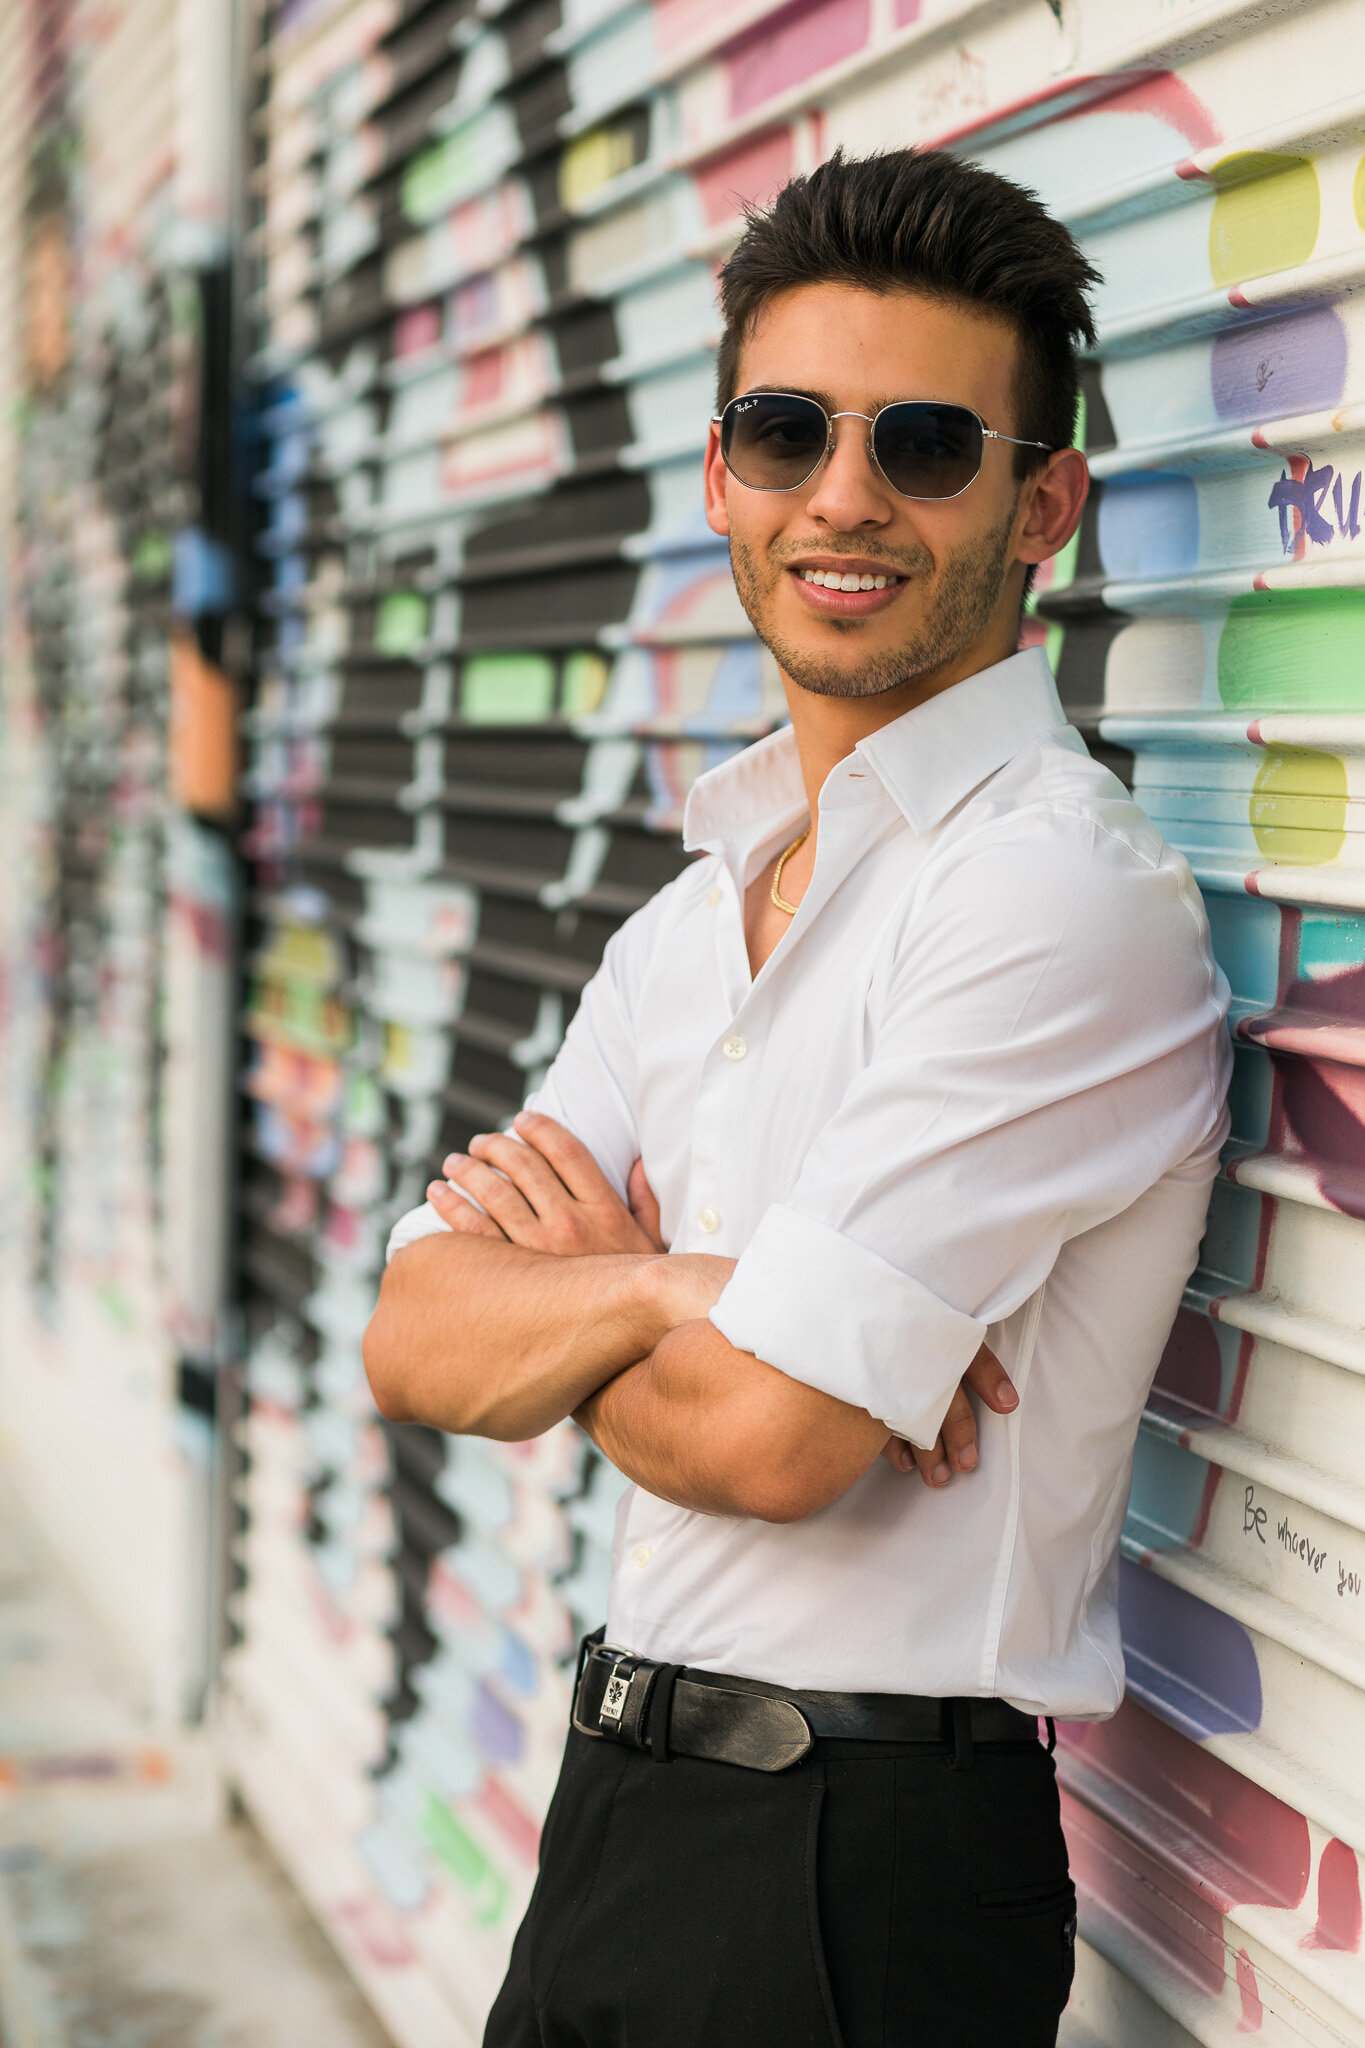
column 830, row 579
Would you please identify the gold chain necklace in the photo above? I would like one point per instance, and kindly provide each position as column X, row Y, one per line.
column 778, row 898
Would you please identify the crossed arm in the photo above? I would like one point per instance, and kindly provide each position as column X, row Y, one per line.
column 556, row 1298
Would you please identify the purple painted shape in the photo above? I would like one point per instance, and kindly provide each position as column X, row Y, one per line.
column 1186, row 1661
column 1274, row 368
column 497, row 1731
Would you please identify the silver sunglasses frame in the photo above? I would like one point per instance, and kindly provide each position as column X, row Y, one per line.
column 987, row 434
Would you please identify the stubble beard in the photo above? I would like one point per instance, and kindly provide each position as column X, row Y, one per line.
column 968, row 592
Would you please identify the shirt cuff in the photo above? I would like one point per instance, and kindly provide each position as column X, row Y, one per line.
column 423, row 1222
column 834, row 1315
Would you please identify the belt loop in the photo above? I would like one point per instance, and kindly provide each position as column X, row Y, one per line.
column 1051, row 1733
column 961, row 1714
column 660, row 1712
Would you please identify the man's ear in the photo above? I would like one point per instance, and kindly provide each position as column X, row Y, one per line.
column 1053, row 502
column 715, row 477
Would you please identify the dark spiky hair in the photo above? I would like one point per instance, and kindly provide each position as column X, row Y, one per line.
column 922, row 220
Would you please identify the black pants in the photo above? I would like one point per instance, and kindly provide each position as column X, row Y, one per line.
column 871, row 1897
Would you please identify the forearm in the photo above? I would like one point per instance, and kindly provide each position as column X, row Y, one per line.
column 718, row 1431
column 483, row 1338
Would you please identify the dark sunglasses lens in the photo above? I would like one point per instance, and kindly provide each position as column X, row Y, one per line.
column 772, row 443
column 927, row 450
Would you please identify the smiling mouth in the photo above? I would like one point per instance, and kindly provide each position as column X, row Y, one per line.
column 848, row 594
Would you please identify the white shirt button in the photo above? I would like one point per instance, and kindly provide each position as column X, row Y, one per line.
column 641, row 1555
column 712, row 898
column 734, row 1048
column 708, row 1220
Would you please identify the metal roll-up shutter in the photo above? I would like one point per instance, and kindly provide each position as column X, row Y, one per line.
column 116, row 758
column 504, row 643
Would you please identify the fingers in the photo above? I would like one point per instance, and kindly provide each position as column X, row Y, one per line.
column 495, row 1194
column 572, row 1162
column 897, row 1452
column 933, row 1465
column 987, row 1377
column 958, row 1435
column 461, row 1215
column 537, row 1181
column 644, row 1206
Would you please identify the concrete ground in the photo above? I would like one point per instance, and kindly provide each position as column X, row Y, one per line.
column 134, row 1913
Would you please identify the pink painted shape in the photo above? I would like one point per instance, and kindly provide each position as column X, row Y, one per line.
column 752, row 174
column 792, row 46
column 907, row 11
column 417, row 329
column 1162, row 93
column 1338, row 1900
column 1253, row 2012
column 483, row 377
column 517, row 1827
column 1257, row 1848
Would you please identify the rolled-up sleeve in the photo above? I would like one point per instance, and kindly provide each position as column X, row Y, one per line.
column 1047, row 1043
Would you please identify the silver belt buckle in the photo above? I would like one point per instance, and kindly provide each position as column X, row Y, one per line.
column 606, row 1723
column 615, row 1697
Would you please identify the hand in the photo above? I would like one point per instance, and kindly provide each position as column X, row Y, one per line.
column 954, row 1448
column 543, row 1190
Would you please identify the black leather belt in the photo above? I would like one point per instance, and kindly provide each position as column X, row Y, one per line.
column 672, row 1710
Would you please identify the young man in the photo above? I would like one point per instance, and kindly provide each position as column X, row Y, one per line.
column 926, row 1050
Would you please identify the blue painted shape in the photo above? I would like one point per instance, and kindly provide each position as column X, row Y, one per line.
column 1167, row 1491
column 1246, row 942
column 517, row 1665
column 1329, row 944
column 1250, row 1095
column 1059, row 158
column 736, row 692
column 1189, row 1663
column 1149, row 524
column 1227, row 1257
column 1272, row 369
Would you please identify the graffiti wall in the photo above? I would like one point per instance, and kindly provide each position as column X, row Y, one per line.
column 502, row 642
column 117, row 984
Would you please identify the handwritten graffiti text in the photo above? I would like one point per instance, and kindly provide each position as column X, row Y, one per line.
column 1304, row 503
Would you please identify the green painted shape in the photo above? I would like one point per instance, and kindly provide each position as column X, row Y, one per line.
column 507, row 689
column 402, row 622
column 1301, row 650
column 441, row 175
column 1266, row 214
column 461, row 1855
column 152, row 557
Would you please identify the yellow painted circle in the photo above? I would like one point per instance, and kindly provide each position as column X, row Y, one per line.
column 1358, row 194
column 1265, row 216
column 1298, row 807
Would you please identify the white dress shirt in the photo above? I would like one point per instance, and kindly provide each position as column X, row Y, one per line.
column 976, row 1092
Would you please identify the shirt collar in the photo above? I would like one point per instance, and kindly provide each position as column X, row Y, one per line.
column 927, row 760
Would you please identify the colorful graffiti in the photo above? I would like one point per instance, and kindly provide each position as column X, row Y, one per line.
column 505, row 643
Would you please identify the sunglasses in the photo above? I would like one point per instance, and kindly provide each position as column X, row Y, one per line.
column 924, row 447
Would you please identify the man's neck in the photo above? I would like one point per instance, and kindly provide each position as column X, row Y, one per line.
column 827, row 729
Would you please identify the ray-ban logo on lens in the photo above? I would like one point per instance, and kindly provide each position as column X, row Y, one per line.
column 745, row 404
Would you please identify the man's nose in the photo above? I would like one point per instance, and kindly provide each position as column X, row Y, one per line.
column 848, row 490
